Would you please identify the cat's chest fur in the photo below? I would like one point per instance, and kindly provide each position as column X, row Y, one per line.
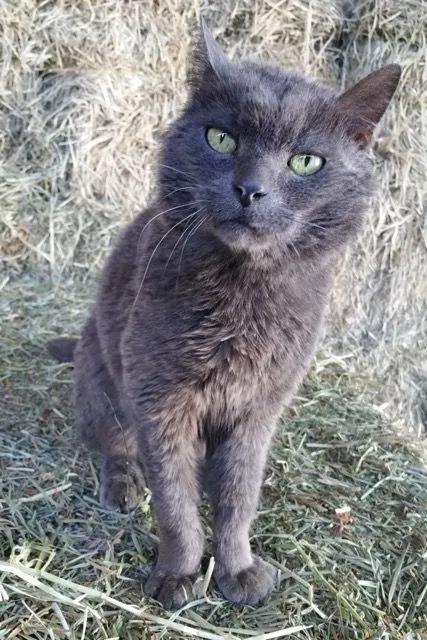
column 240, row 327
column 220, row 336
column 252, row 339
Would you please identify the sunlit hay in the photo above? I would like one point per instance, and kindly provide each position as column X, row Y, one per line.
column 380, row 303
column 86, row 88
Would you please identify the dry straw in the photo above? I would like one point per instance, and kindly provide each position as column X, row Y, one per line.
column 86, row 87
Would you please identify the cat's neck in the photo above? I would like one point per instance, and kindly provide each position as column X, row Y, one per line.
column 196, row 251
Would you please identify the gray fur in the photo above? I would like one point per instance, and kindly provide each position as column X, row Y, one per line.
column 208, row 312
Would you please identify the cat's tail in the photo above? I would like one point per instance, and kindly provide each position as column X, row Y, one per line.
column 62, row 349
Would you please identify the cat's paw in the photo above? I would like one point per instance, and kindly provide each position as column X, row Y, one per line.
column 249, row 586
column 121, row 484
column 173, row 590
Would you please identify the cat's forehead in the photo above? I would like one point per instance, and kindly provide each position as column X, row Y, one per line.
column 277, row 102
column 271, row 85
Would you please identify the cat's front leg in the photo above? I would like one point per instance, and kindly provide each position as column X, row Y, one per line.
column 234, row 479
column 171, row 466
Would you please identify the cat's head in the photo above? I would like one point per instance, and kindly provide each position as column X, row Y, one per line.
column 268, row 156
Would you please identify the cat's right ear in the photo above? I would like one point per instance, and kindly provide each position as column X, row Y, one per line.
column 209, row 60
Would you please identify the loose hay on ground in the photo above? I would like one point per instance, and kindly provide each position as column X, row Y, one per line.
column 72, row 570
column 85, row 89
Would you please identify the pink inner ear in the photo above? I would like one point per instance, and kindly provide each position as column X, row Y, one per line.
column 364, row 137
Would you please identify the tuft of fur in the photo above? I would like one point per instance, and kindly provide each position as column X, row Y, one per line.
column 62, row 349
column 209, row 308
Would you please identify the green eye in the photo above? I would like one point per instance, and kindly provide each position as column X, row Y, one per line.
column 220, row 140
column 305, row 164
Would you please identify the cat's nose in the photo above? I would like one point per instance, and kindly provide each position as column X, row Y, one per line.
column 249, row 190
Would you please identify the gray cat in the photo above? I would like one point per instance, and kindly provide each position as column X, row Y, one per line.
column 211, row 304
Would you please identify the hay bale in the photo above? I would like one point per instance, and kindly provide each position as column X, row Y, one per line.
column 380, row 303
column 393, row 21
column 300, row 35
column 87, row 88
column 85, row 91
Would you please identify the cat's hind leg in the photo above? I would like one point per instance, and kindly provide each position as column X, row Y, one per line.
column 102, row 425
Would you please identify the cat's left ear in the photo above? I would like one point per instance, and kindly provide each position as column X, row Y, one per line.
column 365, row 103
column 209, row 60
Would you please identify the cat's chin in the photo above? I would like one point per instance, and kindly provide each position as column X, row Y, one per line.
column 240, row 236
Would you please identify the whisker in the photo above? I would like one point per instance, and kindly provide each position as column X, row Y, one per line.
column 184, row 173
column 195, row 228
column 312, row 224
column 179, row 206
column 189, row 188
column 305, row 223
column 154, row 251
column 180, row 237
column 295, row 249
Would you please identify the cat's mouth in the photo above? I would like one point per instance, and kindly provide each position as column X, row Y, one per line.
column 239, row 223
column 240, row 232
